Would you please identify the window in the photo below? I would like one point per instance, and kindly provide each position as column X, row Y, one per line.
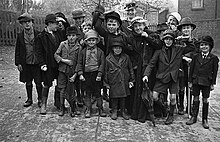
column 197, row 4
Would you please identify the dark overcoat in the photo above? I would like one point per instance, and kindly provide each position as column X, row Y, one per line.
column 118, row 75
column 204, row 71
column 20, row 54
column 46, row 46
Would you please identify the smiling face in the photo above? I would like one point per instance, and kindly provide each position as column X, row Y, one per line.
column 131, row 13
column 187, row 30
column 138, row 27
column 112, row 25
column 27, row 25
column 117, row 50
column 172, row 20
column 168, row 41
column 91, row 42
column 72, row 38
column 204, row 47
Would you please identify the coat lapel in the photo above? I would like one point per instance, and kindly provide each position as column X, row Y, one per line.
column 165, row 55
column 200, row 58
column 114, row 61
column 207, row 59
column 173, row 54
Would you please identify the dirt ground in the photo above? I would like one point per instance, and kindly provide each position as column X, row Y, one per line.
column 19, row 124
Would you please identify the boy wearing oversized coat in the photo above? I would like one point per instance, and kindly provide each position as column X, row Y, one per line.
column 168, row 60
column 25, row 58
column 119, row 77
column 202, row 77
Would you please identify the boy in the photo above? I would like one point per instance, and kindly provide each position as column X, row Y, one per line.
column 47, row 43
column 67, row 56
column 202, row 77
column 119, row 77
column 90, row 69
column 25, row 58
column 168, row 61
column 186, row 28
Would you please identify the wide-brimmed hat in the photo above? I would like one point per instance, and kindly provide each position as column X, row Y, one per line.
column 72, row 30
column 130, row 6
column 136, row 19
column 162, row 27
column 25, row 17
column 175, row 15
column 186, row 21
column 113, row 15
column 168, row 33
column 91, row 34
column 50, row 18
column 207, row 39
column 78, row 13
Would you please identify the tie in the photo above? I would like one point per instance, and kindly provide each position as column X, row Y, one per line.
column 204, row 56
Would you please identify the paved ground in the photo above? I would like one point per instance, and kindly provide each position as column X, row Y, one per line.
column 27, row 125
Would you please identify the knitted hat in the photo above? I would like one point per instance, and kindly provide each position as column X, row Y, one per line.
column 130, row 6
column 175, row 15
column 207, row 39
column 78, row 13
column 113, row 15
column 50, row 18
column 92, row 34
column 168, row 33
column 72, row 30
column 137, row 19
column 25, row 17
column 186, row 21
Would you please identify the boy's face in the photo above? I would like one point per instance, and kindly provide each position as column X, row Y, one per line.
column 112, row 25
column 91, row 42
column 27, row 25
column 131, row 14
column 168, row 41
column 204, row 47
column 61, row 25
column 187, row 30
column 86, row 28
column 138, row 28
column 72, row 38
column 172, row 20
column 117, row 50
column 79, row 21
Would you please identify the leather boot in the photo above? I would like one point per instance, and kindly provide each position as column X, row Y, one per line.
column 205, row 109
column 123, row 112
column 190, row 103
column 39, row 93
column 195, row 111
column 181, row 103
column 72, row 109
column 45, row 91
column 57, row 97
column 100, row 107
column 162, row 108
column 88, row 107
column 62, row 111
column 151, row 112
column 170, row 117
column 29, row 101
column 114, row 114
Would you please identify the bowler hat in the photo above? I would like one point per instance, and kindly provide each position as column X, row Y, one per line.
column 72, row 30
column 113, row 15
column 168, row 33
column 207, row 39
column 130, row 6
column 50, row 18
column 186, row 21
column 25, row 17
column 78, row 13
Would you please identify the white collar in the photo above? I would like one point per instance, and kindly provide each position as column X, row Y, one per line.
column 206, row 54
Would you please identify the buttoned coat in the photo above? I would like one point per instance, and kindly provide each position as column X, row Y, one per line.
column 203, row 71
column 168, row 70
column 118, row 75
column 20, row 54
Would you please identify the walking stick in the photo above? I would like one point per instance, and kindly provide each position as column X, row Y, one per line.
column 188, row 92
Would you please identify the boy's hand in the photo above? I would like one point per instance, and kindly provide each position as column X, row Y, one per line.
column 98, row 78
column 72, row 78
column 44, row 68
column 190, row 84
column 145, row 79
column 212, row 87
column 81, row 77
column 20, row 68
column 187, row 59
column 131, row 84
column 67, row 61
column 144, row 34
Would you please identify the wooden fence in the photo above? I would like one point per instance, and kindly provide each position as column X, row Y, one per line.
column 9, row 26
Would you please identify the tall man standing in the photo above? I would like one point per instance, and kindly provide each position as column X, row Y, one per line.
column 47, row 43
column 25, row 58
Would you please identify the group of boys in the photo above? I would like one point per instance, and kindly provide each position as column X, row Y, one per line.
column 75, row 53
